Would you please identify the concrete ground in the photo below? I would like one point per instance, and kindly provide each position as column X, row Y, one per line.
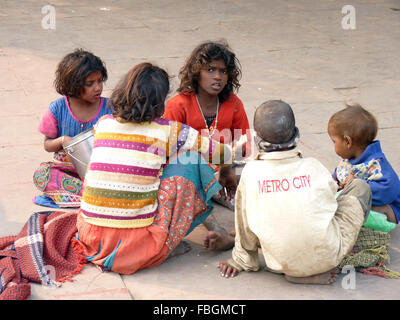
column 297, row 51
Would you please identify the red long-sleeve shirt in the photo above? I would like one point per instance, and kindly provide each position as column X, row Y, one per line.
column 231, row 116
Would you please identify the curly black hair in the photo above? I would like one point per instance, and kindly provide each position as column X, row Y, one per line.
column 202, row 55
column 140, row 95
column 73, row 70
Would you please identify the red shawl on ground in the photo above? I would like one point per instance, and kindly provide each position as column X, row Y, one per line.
column 45, row 251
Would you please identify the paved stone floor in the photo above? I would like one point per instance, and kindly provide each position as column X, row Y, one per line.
column 297, row 51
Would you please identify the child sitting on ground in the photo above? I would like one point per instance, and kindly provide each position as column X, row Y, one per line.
column 79, row 79
column 353, row 131
column 135, row 211
column 286, row 203
column 207, row 101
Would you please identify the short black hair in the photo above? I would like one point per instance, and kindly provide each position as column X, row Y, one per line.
column 274, row 121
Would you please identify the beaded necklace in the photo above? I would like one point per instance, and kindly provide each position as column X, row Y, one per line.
column 211, row 130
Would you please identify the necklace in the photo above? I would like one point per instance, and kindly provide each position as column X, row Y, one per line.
column 211, row 129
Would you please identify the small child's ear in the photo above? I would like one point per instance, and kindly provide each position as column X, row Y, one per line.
column 348, row 141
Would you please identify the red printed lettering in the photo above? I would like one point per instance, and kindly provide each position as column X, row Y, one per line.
column 268, row 186
column 287, row 185
column 301, row 182
column 278, row 183
column 261, row 186
column 296, row 183
column 308, row 180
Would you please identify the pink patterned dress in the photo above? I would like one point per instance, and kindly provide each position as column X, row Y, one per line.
column 58, row 180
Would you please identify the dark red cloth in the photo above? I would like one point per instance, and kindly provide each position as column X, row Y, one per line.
column 45, row 251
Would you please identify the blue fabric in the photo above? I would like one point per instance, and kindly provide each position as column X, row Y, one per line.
column 90, row 258
column 95, row 255
column 45, row 201
column 195, row 168
column 109, row 261
column 67, row 125
column 385, row 190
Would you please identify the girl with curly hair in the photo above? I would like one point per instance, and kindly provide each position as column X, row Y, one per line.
column 206, row 101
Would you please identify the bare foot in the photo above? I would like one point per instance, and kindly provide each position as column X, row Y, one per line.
column 218, row 241
column 322, row 278
column 182, row 248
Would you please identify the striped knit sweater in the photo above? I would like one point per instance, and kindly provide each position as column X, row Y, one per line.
column 121, row 184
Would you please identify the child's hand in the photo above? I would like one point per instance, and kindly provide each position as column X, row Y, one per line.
column 65, row 140
column 55, row 144
column 227, row 270
column 239, row 148
column 349, row 179
column 229, row 182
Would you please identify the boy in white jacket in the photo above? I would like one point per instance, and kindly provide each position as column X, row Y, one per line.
column 287, row 204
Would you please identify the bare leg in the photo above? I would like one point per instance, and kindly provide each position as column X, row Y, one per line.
column 218, row 238
column 387, row 211
column 322, row 278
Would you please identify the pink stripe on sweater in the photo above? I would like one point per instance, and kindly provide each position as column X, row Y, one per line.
column 142, row 216
column 129, row 145
column 120, row 168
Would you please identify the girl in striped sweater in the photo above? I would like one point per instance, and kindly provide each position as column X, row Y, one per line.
column 148, row 181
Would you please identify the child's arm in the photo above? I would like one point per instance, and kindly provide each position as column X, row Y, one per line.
column 48, row 126
column 56, row 144
column 229, row 182
column 185, row 138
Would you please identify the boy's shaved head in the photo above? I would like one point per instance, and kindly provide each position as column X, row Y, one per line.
column 274, row 121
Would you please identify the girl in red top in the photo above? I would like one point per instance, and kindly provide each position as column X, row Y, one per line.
column 207, row 102
column 206, row 99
